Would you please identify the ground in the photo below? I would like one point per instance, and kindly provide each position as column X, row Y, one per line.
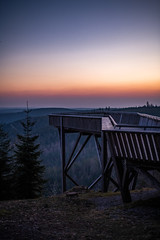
column 85, row 215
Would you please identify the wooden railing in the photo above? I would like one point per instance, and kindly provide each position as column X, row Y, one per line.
column 135, row 145
column 134, row 151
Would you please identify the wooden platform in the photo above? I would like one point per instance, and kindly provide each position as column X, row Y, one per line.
column 127, row 143
column 96, row 122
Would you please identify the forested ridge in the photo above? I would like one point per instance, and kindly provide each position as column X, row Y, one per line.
column 86, row 167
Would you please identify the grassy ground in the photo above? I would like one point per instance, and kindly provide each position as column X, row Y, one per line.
column 79, row 217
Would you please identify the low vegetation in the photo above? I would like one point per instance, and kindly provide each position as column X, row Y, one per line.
column 84, row 216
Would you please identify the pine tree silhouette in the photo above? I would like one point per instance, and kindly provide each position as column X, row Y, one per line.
column 5, row 165
column 29, row 171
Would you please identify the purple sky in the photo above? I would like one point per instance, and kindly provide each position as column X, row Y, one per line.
column 79, row 53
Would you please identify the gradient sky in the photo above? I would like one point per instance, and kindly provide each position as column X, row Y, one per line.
column 79, row 53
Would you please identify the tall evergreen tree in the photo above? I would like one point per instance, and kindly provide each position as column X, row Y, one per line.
column 29, row 171
column 5, row 165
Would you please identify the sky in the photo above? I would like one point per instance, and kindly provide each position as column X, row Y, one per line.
column 79, row 53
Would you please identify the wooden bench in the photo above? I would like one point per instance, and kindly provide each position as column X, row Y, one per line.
column 134, row 151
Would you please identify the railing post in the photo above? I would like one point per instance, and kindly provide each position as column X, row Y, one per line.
column 122, row 173
column 103, row 160
column 62, row 140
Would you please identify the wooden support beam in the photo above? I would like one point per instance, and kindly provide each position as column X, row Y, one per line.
column 154, row 182
column 115, row 183
column 72, row 180
column 62, row 141
column 74, row 148
column 133, row 179
column 125, row 185
column 95, row 182
column 108, row 173
column 108, row 165
column 103, row 160
column 124, row 188
column 108, row 176
column 98, row 149
column 77, row 154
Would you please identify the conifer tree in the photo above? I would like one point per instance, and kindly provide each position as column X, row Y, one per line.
column 29, row 171
column 5, row 165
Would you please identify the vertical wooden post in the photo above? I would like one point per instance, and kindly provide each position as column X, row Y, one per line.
column 121, row 172
column 125, row 192
column 62, row 139
column 103, row 160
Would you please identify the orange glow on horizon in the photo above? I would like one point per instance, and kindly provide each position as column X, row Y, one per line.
column 76, row 89
column 82, row 74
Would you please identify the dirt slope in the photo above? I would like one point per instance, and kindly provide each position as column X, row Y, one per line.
column 82, row 216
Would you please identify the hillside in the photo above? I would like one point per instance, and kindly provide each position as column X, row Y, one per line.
column 87, row 216
column 86, row 167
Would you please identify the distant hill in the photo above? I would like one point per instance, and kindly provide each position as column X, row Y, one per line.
column 10, row 110
column 155, row 111
column 15, row 114
column 12, row 115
